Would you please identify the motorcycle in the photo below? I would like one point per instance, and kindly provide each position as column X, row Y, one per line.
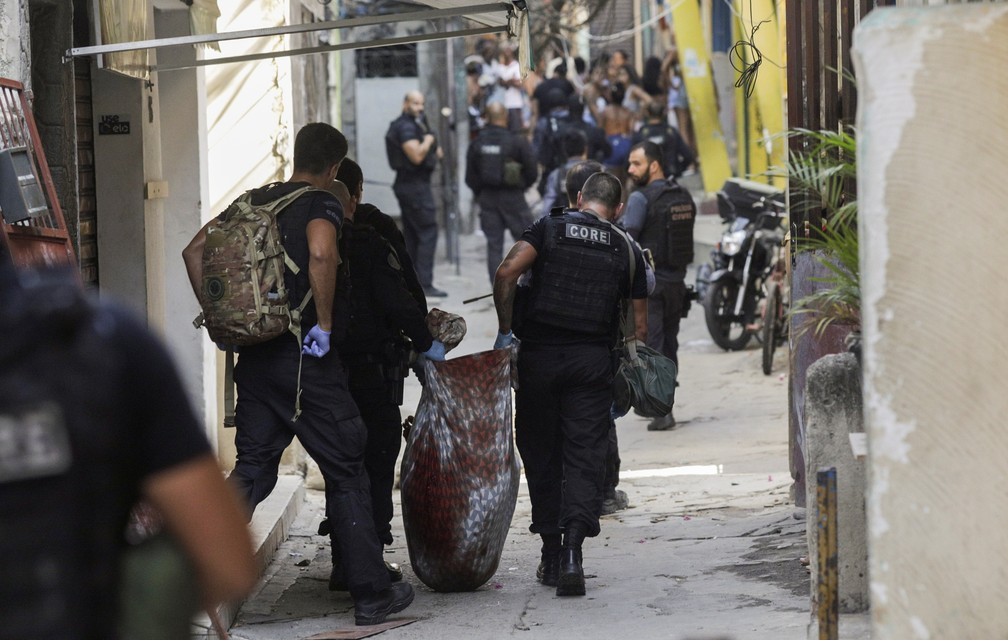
column 732, row 284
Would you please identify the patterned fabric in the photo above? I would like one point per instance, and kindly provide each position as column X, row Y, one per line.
column 460, row 473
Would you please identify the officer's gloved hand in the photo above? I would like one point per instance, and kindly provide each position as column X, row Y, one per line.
column 504, row 340
column 316, row 343
column 436, row 351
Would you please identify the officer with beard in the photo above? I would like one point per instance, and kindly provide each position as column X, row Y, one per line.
column 660, row 215
column 581, row 272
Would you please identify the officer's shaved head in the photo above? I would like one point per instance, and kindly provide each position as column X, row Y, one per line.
column 602, row 189
column 413, row 103
column 496, row 114
column 342, row 194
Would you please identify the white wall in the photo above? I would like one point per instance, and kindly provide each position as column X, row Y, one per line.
column 379, row 101
column 14, row 41
column 932, row 160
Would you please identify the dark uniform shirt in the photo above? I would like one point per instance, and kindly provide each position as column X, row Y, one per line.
column 293, row 224
column 406, row 128
column 99, row 408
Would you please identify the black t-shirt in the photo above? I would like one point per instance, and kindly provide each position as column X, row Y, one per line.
column 403, row 129
column 98, row 380
column 535, row 235
column 293, row 224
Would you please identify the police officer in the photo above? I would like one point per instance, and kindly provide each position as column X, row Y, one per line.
column 376, row 355
column 92, row 416
column 660, row 215
column 413, row 153
column 580, row 267
column 268, row 377
column 500, row 166
column 677, row 157
column 351, row 175
column 575, row 147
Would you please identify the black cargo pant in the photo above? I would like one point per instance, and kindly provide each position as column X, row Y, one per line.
column 331, row 431
column 373, row 394
column 419, row 222
column 665, row 305
column 562, row 430
column 500, row 210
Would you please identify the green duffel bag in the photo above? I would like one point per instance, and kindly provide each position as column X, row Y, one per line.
column 645, row 381
column 159, row 591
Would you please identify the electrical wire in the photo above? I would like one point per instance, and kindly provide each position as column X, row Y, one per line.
column 745, row 50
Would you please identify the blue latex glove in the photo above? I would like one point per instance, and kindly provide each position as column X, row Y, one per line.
column 316, row 343
column 436, row 351
column 504, row 340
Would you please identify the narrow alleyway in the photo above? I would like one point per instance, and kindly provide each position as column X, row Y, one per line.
column 708, row 549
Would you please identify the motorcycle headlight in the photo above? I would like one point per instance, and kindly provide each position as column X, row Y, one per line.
column 731, row 242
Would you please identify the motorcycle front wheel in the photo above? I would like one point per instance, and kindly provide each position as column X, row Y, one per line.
column 726, row 329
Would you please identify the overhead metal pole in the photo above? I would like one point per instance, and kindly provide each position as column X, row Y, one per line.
column 331, row 47
column 428, row 14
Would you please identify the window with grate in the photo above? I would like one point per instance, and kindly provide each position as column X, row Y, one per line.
column 395, row 61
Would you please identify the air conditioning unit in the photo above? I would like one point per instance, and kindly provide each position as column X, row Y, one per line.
column 21, row 195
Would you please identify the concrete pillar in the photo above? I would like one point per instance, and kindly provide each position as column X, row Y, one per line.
column 14, row 42
column 932, row 161
column 833, row 411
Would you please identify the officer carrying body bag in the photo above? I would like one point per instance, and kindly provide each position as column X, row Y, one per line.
column 645, row 379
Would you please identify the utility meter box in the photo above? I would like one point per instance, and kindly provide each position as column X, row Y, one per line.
column 21, row 195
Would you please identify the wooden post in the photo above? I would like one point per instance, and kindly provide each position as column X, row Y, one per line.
column 828, row 585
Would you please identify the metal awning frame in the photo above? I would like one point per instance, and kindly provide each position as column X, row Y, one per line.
column 512, row 9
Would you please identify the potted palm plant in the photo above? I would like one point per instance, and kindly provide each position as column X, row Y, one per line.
column 821, row 176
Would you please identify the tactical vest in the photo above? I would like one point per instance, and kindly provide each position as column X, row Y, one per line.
column 65, row 475
column 668, row 226
column 374, row 353
column 578, row 279
column 494, row 146
column 368, row 331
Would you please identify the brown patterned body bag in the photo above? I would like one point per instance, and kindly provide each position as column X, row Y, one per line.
column 460, row 472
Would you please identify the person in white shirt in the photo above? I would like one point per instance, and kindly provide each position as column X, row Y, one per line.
column 508, row 73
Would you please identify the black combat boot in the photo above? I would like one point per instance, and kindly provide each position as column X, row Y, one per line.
column 549, row 566
column 571, row 581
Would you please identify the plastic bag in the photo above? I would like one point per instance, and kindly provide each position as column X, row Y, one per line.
column 459, row 476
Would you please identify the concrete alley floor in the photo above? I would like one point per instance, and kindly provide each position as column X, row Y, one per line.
column 708, row 549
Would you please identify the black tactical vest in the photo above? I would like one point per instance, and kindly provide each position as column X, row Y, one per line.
column 66, row 481
column 668, row 226
column 494, row 147
column 368, row 330
column 577, row 282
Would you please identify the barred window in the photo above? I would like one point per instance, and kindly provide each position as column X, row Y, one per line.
column 395, row 61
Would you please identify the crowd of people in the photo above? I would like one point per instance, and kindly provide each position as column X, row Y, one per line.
column 607, row 100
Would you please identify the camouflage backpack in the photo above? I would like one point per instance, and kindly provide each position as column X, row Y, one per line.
column 245, row 300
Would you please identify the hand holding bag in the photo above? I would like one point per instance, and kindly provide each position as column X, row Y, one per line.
column 645, row 379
